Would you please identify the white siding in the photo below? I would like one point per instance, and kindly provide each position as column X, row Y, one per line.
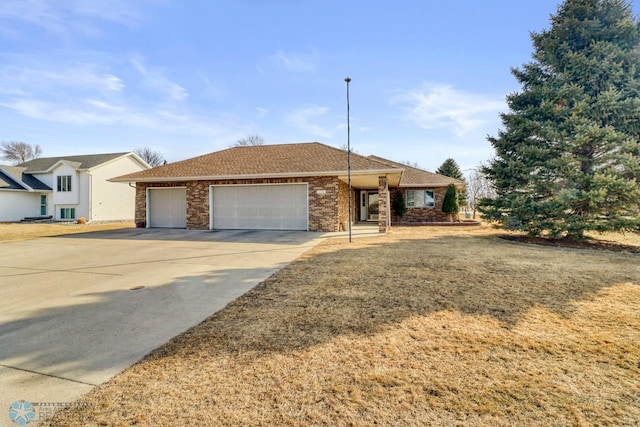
column 16, row 205
column 46, row 178
column 65, row 197
column 113, row 200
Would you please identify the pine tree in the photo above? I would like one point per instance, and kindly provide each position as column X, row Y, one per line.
column 568, row 157
column 451, row 169
column 450, row 204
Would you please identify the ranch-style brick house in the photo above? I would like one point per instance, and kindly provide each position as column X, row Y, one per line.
column 300, row 186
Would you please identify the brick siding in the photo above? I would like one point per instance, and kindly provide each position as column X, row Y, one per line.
column 418, row 215
column 383, row 204
column 325, row 213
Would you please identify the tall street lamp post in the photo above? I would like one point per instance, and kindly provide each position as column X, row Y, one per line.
column 348, row 80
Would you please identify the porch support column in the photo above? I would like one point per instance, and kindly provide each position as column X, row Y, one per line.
column 383, row 204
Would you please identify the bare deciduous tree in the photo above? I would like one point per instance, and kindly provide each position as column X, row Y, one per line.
column 410, row 163
column 153, row 158
column 478, row 187
column 250, row 140
column 343, row 147
column 19, row 152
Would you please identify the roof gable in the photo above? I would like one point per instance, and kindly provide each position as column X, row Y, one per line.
column 16, row 178
column 8, row 181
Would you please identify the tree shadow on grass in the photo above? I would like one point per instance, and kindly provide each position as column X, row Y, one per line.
column 342, row 290
column 335, row 290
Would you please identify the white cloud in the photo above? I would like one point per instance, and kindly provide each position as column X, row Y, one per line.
column 297, row 63
column 29, row 79
column 68, row 17
column 156, row 78
column 261, row 111
column 442, row 106
column 92, row 112
column 307, row 119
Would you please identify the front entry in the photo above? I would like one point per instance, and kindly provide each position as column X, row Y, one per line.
column 368, row 205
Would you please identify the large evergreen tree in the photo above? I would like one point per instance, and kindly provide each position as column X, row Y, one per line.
column 568, row 158
column 451, row 169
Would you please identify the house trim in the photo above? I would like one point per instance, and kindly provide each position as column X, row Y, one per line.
column 262, row 176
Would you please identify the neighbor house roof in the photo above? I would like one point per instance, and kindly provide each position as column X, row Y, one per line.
column 302, row 159
column 16, row 178
column 87, row 161
column 415, row 177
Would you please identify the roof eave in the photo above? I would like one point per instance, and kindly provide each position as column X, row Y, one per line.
column 457, row 184
column 256, row 176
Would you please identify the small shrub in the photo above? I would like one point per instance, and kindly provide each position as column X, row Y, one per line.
column 450, row 203
column 82, row 220
column 398, row 206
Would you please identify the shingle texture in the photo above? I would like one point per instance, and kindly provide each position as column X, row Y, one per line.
column 414, row 177
column 81, row 162
column 304, row 158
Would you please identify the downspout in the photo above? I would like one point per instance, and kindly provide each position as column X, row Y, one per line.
column 90, row 196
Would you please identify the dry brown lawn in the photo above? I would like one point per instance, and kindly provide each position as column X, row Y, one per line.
column 425, row 326
column 10, row 232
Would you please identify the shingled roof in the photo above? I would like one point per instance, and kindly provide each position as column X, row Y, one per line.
column 415, row 177
column 302, row 159
column 87, row 161
column 16, row 178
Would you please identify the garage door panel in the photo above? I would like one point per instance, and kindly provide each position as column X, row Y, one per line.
column 268, row 207
column 167, row 207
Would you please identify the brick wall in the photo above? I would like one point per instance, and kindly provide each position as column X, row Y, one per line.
column 343, row 203
column 324, row 211
column 383, row 204
column 417, row 215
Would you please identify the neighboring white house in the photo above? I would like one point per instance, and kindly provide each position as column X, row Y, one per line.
column 67, row 188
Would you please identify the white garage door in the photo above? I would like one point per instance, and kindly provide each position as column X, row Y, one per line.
column 167, row 207
column 260, row 207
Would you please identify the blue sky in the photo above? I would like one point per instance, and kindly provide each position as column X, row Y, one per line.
column 187, row 78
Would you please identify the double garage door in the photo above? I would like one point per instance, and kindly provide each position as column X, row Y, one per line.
column 239, row 207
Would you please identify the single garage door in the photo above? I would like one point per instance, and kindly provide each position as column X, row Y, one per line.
column 167, row 207
column 259, row 207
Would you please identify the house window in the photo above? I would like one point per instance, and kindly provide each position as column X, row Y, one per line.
column 64, row 183
column 43, row 204
column 67, row 213
column 421, row 199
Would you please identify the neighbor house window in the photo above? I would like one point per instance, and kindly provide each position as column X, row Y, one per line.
column 420, row 199
column 43, row 204
column 64, row 183
column 67, row 213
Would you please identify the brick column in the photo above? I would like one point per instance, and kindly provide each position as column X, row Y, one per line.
column 197, row 205
column 141, row 202
column 383, row 204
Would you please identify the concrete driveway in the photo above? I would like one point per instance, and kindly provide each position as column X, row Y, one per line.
column 76, row 310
